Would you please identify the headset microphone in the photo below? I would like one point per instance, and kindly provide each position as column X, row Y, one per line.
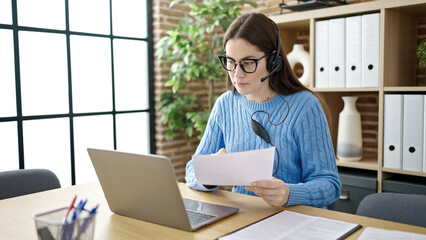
column 270, row 74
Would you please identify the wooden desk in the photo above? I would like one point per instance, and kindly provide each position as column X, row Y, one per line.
column 16, row 215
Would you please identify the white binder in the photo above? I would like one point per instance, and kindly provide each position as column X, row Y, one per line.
column 370, row 50
column 337, row 52
column 353, row 51
column 412, row 154
column 321, row 55
column 424, row 133
column 392, row 147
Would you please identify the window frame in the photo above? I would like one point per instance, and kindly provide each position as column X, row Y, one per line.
column 71, row 115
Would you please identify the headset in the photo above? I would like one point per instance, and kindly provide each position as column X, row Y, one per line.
column 274, row 64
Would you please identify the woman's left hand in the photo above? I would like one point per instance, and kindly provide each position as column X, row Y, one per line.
column 275, row 192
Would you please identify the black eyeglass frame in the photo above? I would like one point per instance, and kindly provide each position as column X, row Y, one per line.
column 223, row 58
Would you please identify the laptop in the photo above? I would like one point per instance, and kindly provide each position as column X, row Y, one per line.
column 145, row 187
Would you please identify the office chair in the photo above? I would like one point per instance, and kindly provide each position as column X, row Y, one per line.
column 397, row 207
column 332, row 206
column 25, row 181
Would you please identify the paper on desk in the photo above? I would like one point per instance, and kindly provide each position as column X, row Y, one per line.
column 239, row 168
column 372, row 233
column 294, row 225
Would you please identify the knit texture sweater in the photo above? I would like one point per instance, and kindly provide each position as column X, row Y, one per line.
column 306, row 156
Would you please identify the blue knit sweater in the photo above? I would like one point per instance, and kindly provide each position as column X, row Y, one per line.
column 307, row 161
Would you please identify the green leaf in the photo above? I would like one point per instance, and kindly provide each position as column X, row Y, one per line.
column 177, row 66
column 170, row 82
column 194, row 6
column 176, row 86
column 172, row 33
column 176, row 2
column 189, row 131
column 210, row 28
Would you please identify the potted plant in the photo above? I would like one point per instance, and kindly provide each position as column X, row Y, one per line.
column 192, row 48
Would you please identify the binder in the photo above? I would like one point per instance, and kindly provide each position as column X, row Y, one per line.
column 321, row 55
column 392, row 152
column 424, row 133
column 370, row 50
column 413, row 133
column 337, row 52
column 353, row 51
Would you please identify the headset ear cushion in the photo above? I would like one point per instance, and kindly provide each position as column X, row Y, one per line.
column 278, row 63
column 274, row 62
column 270, row 66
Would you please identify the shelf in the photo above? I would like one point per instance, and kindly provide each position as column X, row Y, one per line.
column 372, row 89
column 313, row 4
column 405, row 89
column 352, row 9
column 405, row 172
column 368, row 163
column 399, row 24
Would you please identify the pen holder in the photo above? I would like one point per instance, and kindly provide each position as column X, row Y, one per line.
column 52, row 225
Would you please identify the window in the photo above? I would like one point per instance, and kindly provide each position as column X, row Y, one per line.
column 74, row 74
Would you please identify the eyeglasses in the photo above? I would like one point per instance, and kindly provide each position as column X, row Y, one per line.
column 248, row 65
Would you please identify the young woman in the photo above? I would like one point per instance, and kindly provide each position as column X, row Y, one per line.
column 263, row 88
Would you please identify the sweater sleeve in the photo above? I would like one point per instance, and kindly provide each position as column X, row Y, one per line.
column 210, row 143
column 320, row 184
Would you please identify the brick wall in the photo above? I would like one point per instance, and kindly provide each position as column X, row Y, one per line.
column 180, row 148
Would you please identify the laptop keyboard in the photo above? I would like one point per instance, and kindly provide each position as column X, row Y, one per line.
column 196, row 218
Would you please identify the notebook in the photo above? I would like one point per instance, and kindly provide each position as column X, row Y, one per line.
column 144, row 187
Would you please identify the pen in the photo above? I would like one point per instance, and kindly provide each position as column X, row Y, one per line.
column 82, row 205
column 68, row 228
column 93, row 210
column 86, row 222
column 69, row 208
column 77, row 210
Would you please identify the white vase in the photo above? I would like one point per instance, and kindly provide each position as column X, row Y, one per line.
column 349, row 135
column 299, row 55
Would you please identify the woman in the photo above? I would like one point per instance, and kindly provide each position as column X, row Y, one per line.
column 263, row 88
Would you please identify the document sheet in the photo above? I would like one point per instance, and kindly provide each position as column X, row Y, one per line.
column 293, row 225
column 371, row 233
column 239, row 168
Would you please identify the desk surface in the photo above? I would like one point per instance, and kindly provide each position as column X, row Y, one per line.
column 16, row 215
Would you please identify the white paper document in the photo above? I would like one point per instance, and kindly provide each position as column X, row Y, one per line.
column 371, row 233
column 231, row 169
column 293, row 225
